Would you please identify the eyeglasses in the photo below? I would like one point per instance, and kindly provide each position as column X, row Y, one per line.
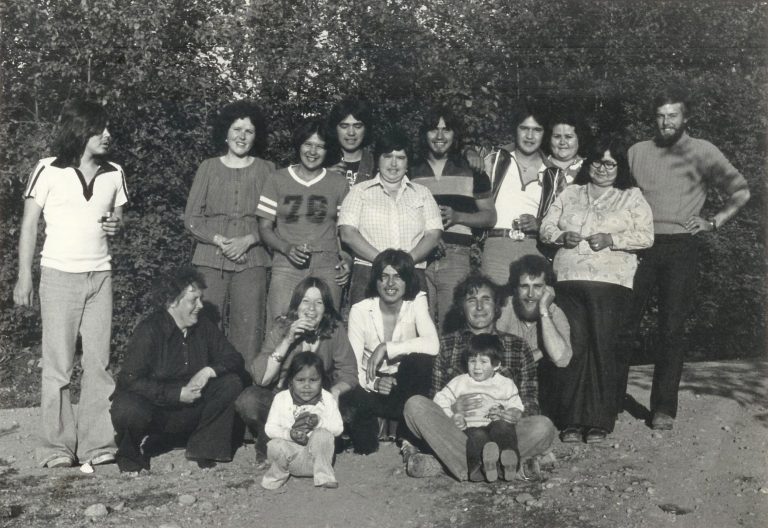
column 608, row 164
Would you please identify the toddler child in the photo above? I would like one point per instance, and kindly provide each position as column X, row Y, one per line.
column 302, row 424
column 490, row 429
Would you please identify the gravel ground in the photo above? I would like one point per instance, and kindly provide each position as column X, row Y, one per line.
column 710, row 471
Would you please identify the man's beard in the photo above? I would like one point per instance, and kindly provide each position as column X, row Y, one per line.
column 668, row 141
column 522, row 313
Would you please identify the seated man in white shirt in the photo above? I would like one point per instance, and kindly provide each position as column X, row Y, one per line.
column 394, row 340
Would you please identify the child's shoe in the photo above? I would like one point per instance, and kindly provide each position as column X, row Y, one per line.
column 490, row 459
column 508, row 459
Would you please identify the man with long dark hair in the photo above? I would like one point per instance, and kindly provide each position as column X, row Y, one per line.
column 81, row 196
column 464, row 198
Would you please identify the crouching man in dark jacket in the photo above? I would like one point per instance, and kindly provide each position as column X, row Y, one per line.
column 179, row 376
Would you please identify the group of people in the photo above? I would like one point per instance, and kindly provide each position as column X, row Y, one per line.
column 345, row 299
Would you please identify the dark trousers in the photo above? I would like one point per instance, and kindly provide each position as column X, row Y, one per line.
column 499, row 431
column 253, row 407
column 363, row 408
column 586, row 388
column 358, row 282
column 672, row 265
column 208, row 422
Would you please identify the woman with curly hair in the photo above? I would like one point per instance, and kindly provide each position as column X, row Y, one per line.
column 221, row 216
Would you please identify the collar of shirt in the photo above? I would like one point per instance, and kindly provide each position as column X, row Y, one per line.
column 169, row 328
column 542, row 167
column 104, row 166
column 405, row 183
column 603, row 197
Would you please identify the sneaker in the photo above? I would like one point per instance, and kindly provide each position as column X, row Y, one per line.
column 508, row 459
column 490, row 461
column 60, row 462
column 104, row 458
column 422, row 465
column 407, row 450
column 662, row 421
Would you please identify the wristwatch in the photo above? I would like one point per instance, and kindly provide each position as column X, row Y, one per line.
column 712, row 222
column 277, row 357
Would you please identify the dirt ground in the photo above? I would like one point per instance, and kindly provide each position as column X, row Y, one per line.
column 710, row 471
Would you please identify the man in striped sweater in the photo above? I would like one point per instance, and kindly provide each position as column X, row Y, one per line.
column 675, row 171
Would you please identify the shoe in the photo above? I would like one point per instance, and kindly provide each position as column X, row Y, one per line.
column 407, row 450
column 490, row 461
column 595, row 435
column 530, row 469
column 508, row 459
column 205, row 463
column 330, row 485
column 104, row 458
column 662, row 421
column 570, row 435
column 261, row 461
column 421, row 465
column 60, row 462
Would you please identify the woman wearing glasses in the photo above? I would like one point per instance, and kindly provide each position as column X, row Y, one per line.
column 597, row 223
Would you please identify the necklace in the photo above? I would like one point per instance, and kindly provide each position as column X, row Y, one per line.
column 526, row 167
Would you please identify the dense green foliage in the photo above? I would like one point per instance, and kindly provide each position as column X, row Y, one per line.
column 162, row 68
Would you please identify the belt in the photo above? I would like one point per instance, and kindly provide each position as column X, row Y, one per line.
column 509, row 233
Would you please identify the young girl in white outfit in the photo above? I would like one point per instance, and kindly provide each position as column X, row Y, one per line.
column 302, row 424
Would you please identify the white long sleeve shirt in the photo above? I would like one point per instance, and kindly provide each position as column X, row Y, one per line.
column 283, row 414
column 414, row 332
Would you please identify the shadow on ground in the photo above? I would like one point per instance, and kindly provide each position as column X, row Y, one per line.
column 743, row 381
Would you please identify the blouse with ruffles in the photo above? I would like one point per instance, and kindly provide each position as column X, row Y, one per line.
column 624, row 214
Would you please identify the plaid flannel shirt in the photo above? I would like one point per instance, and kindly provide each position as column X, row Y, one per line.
column 517, row 363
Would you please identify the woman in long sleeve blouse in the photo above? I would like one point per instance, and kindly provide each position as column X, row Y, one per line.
column 311, row 324
column 597, row 222
column 221, row 216
column 395, row 341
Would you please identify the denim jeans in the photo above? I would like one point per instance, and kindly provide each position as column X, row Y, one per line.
column 442, row 277
column 244, row 293
column 289, row 458
column 500, row 252
column 285, row 277
column 671, row 264
column 72, row 303
column 364, row 408
column 428, row 422
column 253, row 406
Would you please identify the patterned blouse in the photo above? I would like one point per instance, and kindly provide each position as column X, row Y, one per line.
column 624, row 214
column 223, row 201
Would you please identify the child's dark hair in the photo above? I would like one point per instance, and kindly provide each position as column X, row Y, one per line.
column 307, row 359
column 484, row 345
